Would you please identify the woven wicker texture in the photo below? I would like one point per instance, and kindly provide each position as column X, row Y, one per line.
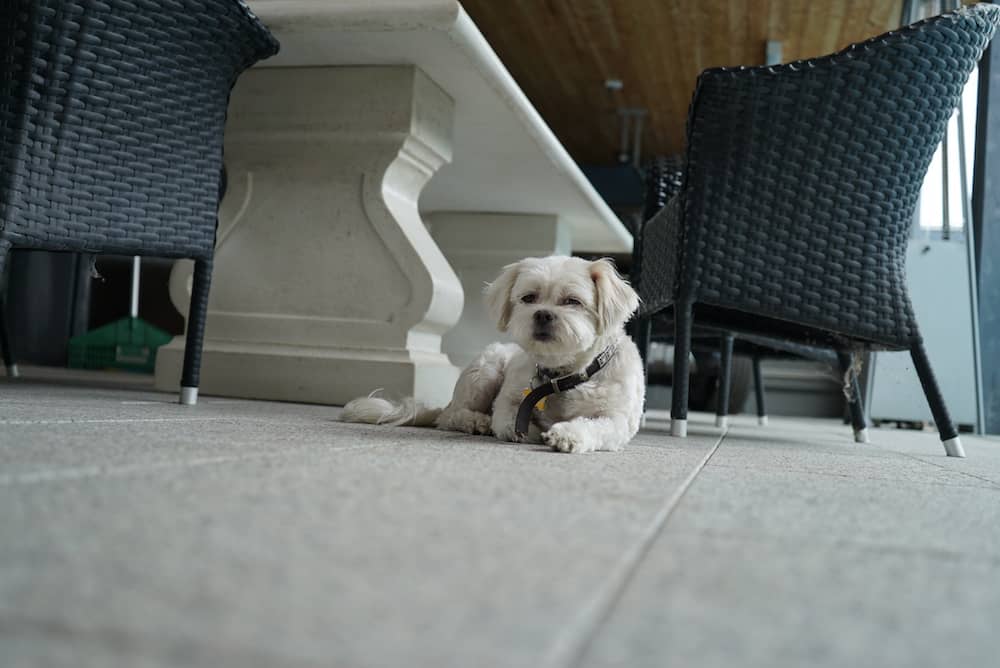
column 111, row 121
column 664, row 179
column 801, row 180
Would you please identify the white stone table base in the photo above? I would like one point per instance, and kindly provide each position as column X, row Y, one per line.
column 326, row 279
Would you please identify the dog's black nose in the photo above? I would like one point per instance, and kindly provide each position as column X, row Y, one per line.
column 543, row 317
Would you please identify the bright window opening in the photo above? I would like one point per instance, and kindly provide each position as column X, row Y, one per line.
column 931, row 211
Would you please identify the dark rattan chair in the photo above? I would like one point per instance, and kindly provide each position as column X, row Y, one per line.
column 799, row 188
column 111, row 128
column 664, row 177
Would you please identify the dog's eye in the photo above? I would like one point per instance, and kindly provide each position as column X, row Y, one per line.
column 529, row 298
column 572, row 301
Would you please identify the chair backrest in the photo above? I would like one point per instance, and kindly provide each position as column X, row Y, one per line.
column 111, row 120
column 801, row 179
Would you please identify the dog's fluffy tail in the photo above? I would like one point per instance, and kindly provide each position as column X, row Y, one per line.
column 377, row 410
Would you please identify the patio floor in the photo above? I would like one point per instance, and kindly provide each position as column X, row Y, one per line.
column 136, row 532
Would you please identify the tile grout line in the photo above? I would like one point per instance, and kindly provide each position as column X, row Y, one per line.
column 571, row 645
column 82, row 473
column 62, row 421
column 993, row 483
column 781, row 541
column 134, row 421
column 845, row 476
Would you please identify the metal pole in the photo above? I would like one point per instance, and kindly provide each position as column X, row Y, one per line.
column 623, row 150
column 637, row 141
column 772, row 52
column 970, row 248
column 945, row 199
column 134, row 310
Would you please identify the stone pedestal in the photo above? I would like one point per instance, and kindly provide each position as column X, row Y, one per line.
column 478, row 246
column 327, row 283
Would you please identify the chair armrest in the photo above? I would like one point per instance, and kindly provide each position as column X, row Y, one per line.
column 664, row 176
column 659, row 258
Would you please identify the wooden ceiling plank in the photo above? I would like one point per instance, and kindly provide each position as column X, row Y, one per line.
column 682, row 45
column 831, row 32
column 758, row 31
column 854, row 24
column 561, row 51
column 813, row 33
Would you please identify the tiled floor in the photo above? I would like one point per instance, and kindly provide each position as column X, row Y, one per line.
column 137, row 532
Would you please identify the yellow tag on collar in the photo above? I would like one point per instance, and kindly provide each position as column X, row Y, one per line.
column 541, row 402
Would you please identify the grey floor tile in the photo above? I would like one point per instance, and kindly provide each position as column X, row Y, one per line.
column 92, row 449
column 843, row 459
column 785, row 556
column 982, row 459
column 912, row 512
column 139, row 532
column 706, row 601
column 43, row 403
column 424, row 549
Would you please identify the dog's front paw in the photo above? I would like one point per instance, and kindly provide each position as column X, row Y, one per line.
column 564, row 437
column 464, row 420
column 477, row 423
column 506, row 433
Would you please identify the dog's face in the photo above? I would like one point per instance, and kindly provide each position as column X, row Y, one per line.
column 556, row 306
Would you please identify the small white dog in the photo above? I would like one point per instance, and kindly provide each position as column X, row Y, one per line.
column 567, row 316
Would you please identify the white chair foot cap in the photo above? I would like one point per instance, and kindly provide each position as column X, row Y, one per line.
column 762, row 420
column 189, row 396
column 679, row 428
column 722, row 421
column 12, row 371
column 642, row 422
column 953, row 446
column 861, row 436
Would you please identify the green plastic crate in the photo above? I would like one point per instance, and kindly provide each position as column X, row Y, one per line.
column 129, row 344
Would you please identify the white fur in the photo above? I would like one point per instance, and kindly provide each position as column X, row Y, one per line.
column 378, row 410
column 601, row 414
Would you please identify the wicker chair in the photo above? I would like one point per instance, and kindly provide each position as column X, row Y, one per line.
column 111, row 128
column 664, row 177
column 800, row 183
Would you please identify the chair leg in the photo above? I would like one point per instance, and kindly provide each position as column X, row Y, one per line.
column 758, row 387
column 195, row 331
column 725, row 381
column 683, row 316
column 642, row 331
column 5, row 348
column 946, row 428
column 858, row 421
column 8, row 355
column 642, row 334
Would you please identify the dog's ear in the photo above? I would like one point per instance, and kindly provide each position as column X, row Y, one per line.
column 498, row 295
column 616, row 300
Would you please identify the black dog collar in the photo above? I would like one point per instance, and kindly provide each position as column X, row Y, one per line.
column 556, row 385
